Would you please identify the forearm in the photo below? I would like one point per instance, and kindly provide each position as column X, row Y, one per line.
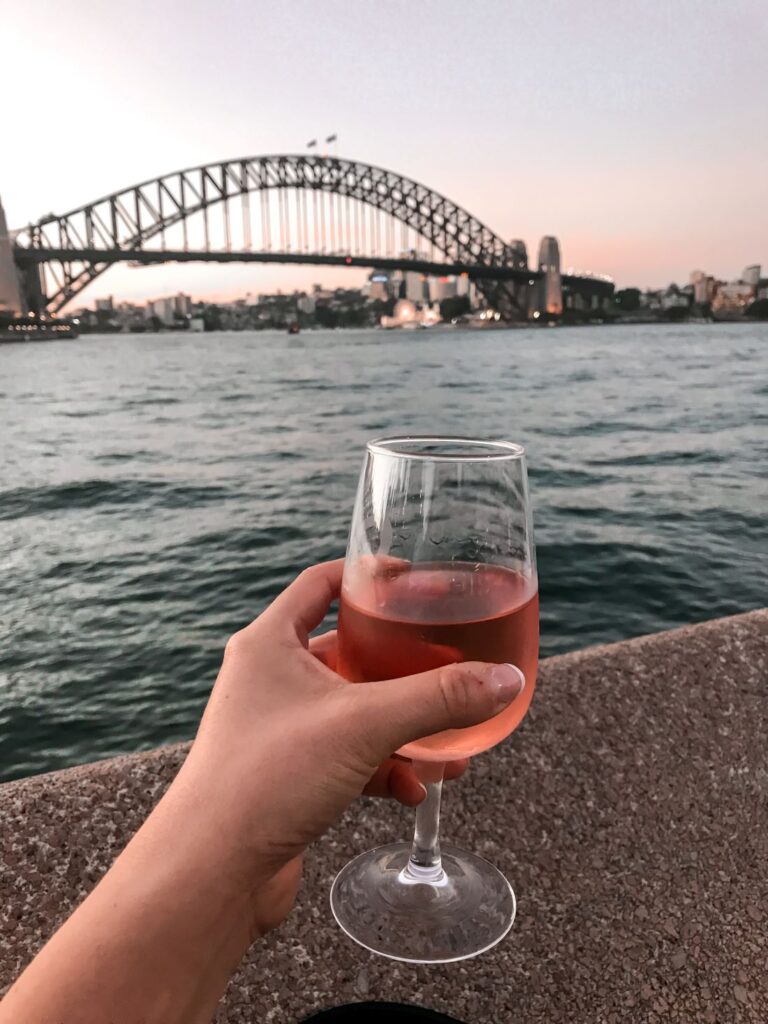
column 159, row 937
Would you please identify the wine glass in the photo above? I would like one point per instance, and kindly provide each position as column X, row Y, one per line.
column 440, row 568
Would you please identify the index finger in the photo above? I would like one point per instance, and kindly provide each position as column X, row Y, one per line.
column 303, row 604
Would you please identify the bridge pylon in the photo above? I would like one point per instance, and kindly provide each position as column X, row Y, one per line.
column 10, row 291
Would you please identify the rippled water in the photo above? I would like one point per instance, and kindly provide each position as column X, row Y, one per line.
column 157, row 491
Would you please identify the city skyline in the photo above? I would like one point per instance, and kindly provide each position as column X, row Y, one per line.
column 703, row 297
column 700, row 281
column 621, row 133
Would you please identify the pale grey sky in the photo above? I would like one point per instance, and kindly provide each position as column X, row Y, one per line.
column 637, row 133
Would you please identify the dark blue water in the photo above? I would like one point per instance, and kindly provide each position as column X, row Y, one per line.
column 157, row 491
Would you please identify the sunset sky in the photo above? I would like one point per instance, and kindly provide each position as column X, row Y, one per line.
column 636, row 133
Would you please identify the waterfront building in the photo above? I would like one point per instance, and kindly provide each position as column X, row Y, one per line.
column 442, row 288
column 733, row 298
column 407, row 315
column 163, row 309
column 182, row 304
column 751, row 275
column 129, row 309
column 587, row 295
column 10, row 293
column 701, row 286
column 704, row 286
column 396, row 284
column 651, row 299
column 416, row 288
column 128, row 315
column 727, row 297
column 380, row 285
column 674, row 298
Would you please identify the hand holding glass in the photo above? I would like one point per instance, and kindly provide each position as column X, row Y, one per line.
column 440, row 569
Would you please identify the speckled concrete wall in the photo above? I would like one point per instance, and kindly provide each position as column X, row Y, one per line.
column 630, row 812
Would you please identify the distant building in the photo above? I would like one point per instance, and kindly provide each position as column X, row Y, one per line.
column 751, row 275
column 163, row 309
column 651, row 299
column 547, row 294
column 407, row 315
column 441, row 288
column 463, row 284
column 10, row 293
column 306, row 304
column 674, row 298
column 704, row 286
column 86, row 318
column 519, row 254
column 728, row 298
column 587, row 295
column 104, row 305
column 733, row 298
column 416, row 288
column 182, row 304
column 698, row 281
column 380, row 285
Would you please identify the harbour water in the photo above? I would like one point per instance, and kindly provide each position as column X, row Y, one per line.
column 157, row 490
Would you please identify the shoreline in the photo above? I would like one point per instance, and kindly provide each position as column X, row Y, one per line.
column 437, row 328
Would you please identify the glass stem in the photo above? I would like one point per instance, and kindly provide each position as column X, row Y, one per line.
column 424, row 864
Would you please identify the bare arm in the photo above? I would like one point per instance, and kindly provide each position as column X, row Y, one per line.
column 284, row 746
column 157, row 939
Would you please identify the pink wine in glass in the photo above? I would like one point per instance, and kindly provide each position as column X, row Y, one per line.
column 398, row 619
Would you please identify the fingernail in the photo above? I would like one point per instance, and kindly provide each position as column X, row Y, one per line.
column 506, row 682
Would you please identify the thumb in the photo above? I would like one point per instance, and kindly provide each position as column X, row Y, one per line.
column 399, row 711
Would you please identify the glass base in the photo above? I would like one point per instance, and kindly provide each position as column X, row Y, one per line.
column 463, row 911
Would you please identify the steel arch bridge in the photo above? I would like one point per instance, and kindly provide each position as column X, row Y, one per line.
column 280, row 209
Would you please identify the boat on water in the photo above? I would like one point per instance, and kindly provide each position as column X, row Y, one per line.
column 32, row 328
column 293, row 327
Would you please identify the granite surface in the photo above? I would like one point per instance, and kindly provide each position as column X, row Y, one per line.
column 630, row 812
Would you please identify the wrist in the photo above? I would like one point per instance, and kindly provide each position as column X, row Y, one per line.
column 214, row 838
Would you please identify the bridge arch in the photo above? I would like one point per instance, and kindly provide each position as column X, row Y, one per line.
column 86, row 240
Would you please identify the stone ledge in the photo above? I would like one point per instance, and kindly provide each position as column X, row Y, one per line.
column 629, row 811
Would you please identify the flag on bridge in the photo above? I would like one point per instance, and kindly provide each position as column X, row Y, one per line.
column 312, row 143
column 331, row 138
